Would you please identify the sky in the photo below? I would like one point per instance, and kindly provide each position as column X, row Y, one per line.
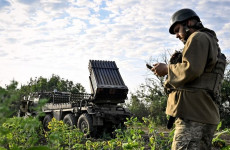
column 45, row 37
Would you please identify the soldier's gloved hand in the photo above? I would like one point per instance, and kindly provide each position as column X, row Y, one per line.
column 160, row 69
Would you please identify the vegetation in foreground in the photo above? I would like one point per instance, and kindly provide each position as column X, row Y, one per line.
column 27, row 133
column 141, row 132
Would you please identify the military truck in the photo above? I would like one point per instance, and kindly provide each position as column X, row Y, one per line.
column 100, row 109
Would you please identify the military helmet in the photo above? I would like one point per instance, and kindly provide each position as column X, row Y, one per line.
column 181, row 16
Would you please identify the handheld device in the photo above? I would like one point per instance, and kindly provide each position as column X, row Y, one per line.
column 149, row 66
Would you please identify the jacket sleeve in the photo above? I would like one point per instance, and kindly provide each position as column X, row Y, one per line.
column 194, row 58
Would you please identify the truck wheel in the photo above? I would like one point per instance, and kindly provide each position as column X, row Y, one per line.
column 85, row 124
column 46, row 121
column 70, row 120
column 20, row 113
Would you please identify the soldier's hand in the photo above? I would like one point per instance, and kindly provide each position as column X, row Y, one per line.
column 160, row 69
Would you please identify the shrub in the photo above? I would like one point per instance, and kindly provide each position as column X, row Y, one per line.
column 20, row 133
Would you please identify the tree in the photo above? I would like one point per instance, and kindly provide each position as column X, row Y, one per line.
column 225, row 89
column 137, row 107
column 9, row 100
column 225, row 106
column 150, row 100
column 42, row 84
column 12, row 86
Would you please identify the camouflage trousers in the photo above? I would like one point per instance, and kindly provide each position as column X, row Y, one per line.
column 190, row 135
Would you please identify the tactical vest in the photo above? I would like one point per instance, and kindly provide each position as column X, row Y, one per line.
column 209, row 81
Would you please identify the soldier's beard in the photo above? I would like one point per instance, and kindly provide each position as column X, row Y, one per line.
column 186, row 34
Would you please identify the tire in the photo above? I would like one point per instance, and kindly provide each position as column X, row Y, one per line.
column 85, row 124
column 46, row 121
column 70, row 120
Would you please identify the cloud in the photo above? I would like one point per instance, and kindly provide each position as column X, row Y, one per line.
column 3, row 54
column 76, row 12
column 4, row 3
column 60, row 37
column 28, row 2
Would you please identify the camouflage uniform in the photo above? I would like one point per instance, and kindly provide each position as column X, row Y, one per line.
column 191, row 135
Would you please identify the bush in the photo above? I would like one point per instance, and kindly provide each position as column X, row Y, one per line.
column 20, row 133
column 60, row 136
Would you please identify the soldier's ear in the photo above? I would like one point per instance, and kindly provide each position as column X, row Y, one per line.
column 190, row 23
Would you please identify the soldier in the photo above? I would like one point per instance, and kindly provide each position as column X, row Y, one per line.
column 194, row 82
